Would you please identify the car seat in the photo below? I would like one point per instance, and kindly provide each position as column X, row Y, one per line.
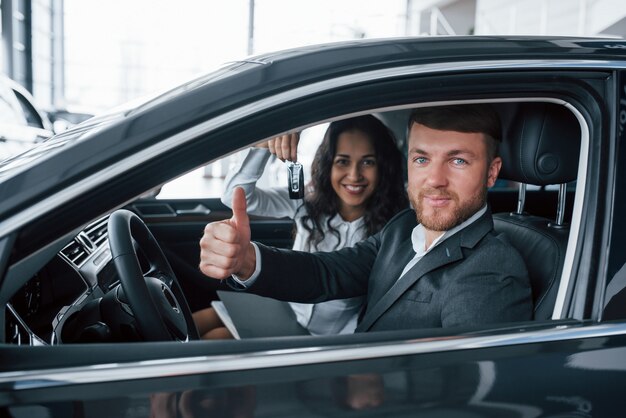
column 540, row 147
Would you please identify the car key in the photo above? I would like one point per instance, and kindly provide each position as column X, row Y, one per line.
column 296, row 180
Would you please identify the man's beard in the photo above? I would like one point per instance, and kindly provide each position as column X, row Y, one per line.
column 446, row 218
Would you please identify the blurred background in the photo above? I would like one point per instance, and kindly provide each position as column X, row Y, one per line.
column 64, row 60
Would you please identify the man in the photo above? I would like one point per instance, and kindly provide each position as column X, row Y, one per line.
column 439, row 265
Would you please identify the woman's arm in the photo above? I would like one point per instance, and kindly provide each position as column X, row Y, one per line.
column 274, row 201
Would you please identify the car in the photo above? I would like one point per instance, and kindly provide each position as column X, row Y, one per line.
column 99, row 277
column 21, row 123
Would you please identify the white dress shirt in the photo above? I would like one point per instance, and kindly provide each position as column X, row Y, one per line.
column 331, row 317
column 418, row 239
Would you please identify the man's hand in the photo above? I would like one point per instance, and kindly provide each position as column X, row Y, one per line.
column 225, row 247
column 285, row 147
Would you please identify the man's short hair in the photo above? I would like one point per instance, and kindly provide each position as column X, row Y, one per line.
column 469, row 118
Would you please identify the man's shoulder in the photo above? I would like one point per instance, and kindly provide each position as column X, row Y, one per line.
column 497, row 249
column 402, row 218
column 486, row 242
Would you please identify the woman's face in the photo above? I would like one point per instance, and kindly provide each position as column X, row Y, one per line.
column 354, row 174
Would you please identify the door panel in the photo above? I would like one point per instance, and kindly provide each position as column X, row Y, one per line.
column 486, row 381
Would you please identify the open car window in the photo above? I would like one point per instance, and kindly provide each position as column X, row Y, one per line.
column 44, row 312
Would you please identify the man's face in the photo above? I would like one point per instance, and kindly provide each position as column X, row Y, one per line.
column 449, row 174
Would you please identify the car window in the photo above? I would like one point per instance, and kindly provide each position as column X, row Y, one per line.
column 208, row 181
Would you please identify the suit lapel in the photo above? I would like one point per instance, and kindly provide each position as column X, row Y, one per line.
column 447, row 252
column 401, row 258
column 440, row 256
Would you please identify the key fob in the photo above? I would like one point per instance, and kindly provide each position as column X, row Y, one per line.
column 296, row 181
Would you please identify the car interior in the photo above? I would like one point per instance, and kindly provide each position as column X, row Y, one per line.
column 75, row 297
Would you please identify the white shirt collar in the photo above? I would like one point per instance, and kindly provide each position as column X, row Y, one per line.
column 337, row 220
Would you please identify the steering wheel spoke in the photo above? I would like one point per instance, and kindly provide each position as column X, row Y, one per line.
column 156, row 299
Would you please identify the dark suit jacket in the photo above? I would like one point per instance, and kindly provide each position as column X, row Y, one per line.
column 473, row 277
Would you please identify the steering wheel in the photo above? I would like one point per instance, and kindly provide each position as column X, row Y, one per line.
column 154, row 297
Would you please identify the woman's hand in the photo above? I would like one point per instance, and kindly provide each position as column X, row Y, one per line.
column 284, row 147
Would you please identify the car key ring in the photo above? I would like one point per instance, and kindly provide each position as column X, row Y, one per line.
column 296, row 180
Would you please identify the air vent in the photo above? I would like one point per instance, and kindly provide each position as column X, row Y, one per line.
column 97, row 231
column 75, row 252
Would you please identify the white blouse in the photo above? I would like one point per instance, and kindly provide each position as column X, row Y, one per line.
column 331, row 317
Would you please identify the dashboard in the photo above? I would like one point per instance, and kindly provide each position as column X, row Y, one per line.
column 63, row 299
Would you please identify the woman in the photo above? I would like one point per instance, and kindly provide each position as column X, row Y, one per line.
column 356, row 187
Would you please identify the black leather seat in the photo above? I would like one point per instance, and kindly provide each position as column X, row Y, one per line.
column 541, row 147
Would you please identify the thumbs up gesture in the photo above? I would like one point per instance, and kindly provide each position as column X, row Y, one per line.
column 225, row 247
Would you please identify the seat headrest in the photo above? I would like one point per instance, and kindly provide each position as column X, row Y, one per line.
column 541, row 146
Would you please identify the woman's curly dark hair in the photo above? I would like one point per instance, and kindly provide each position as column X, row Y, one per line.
column 389, row 196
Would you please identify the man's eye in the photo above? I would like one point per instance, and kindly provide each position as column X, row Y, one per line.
column 459, row 161
column 420, row 160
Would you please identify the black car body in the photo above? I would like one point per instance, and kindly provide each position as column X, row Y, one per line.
column 65, row 354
